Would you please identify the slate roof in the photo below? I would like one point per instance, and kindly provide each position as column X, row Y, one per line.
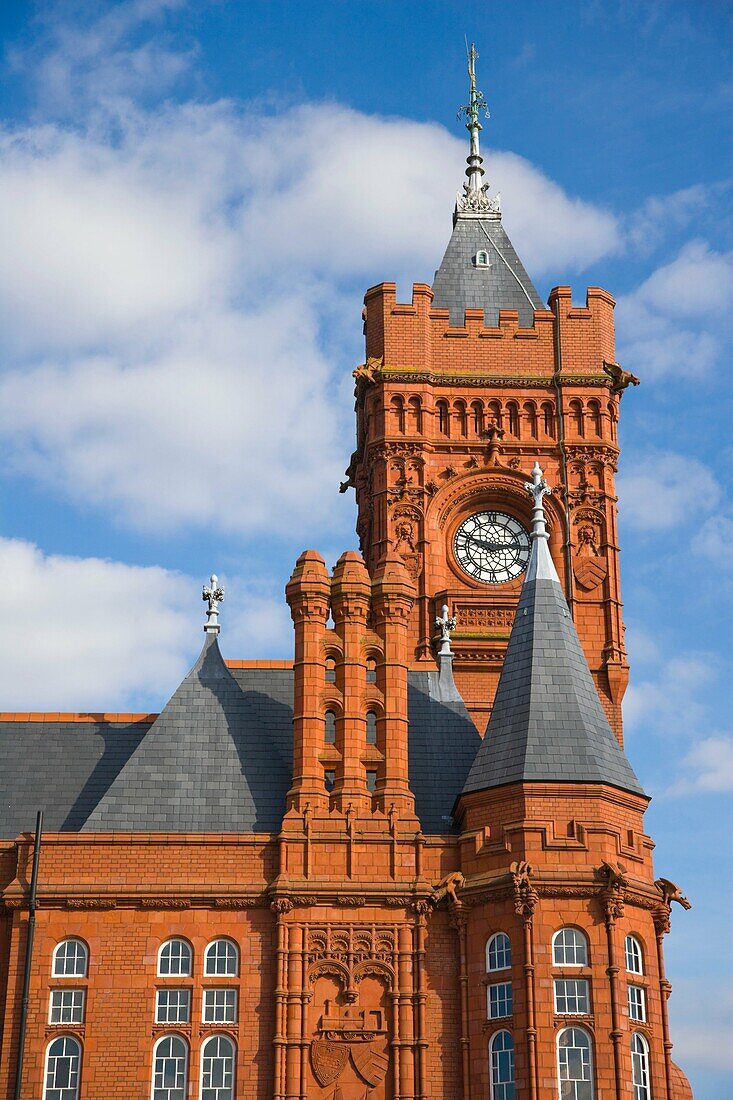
column 505, row 284
column 218, row 758
column 547, row 723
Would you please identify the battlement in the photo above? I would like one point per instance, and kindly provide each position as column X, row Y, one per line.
column 418, row 336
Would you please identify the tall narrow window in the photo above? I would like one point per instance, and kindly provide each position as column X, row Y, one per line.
column 594, row 412
column 637, row 1003
column 66, row 1006
column 513, row 411
column 495, row 413
column 640, row 1067
column 530, row 418
column 371, row 780
column 63, row 1066
column 634, row 956
column 222, row 957
column 414, row 406
column 461, row 417
column 217, row 1068
column 502, row 1066
column 477, row 411
column 397, row 409
column 329, row 779
column 371, row 670
column 329, row 735
column 174, row 959
column 330, row 670
column 170, row 1068
column 548, row 419
column 500, row 1000
column 576, row 417
column 569, row 948
column 443, row 418
column 371, row 728
column 575, row 1064
column 498, row 952
column 70, row 959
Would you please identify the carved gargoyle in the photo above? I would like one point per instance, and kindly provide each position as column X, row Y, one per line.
column 368, row 371
column 670, row 892
column 448, row 887
column 620, row 378
column 615, row 874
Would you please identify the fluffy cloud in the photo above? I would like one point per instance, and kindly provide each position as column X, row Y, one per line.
column 675, row 323
column 667, row 697
column 708, row 767
column 172, row 278
column 659, row 491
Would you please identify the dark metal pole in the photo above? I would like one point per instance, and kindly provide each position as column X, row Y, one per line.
column 28, row 956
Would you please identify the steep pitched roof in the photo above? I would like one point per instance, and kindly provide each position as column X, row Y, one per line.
column 547, row 723
column 460, row 284
column 203, row 765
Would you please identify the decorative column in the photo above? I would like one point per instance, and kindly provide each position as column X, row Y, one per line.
column 350, row 599
column 406, row 1012
column 421, row 909
column 612, row 899
column 525, row 903
column 459, row 921
column 281, row 907
column 293, row 1068
column 661, row 916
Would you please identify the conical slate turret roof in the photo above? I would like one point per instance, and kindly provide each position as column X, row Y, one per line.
column 547, row 724
column 201, row 767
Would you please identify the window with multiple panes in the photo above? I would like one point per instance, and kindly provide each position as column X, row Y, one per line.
column 66, row 1006
column 217, row 1068
column 640, row 1067
column 173, row 1006
column 170, row 1068
column 637, row 1003
column 571, row 997
column 634, row 956
column 569, row 948
column 500, row 1000
column 498, row 952
column 220, row 1006
column 70, row 959
column 221, row 958
column 501, row 1049
column 174, row 959
column 63, row 1067
column 575, row 1064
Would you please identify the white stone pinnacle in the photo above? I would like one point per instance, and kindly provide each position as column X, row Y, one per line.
column 212, row 594
column 541, row 565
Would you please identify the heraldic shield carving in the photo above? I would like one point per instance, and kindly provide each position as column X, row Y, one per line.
column 353, row 1039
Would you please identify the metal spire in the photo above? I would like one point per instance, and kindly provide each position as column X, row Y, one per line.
column 213, row 595
column 474, row 199
column 541, row 565
column 445, row 625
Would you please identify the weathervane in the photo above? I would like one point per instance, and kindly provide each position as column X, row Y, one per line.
column 213, row 595
column 474, row 199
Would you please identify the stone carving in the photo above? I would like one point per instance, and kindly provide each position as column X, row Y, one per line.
column 620, row 379
column 448, row 887
column 369, row 372
column 281, row 906
column 165, row 903
column 350, row 1032
column 487, row 616
column 352, row 900
column 91, row 903
column 589, row 566
column 525, row 896
column 613, row 895
column 671, row 892
column 212, row 594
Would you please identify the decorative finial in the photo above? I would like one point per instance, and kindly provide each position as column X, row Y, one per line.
column 538, row 489
column 474, row 199
column 213, row 595
column 445, row 624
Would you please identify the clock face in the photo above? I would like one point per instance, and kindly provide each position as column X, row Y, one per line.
column 492, row 547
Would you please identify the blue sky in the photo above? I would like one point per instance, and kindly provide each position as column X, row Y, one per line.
column 194, row 197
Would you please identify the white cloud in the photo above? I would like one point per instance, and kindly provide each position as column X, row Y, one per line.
column 668, row 697
column 715, row 541
column 675, row 323
column 707, row 767
column 167, row 284
column 663, row 490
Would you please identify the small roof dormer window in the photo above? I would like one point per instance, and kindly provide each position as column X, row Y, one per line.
column 481, row 259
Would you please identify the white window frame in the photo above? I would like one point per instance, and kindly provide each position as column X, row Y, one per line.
column 211, row 952
column 83, row 955
column 506, row 950
column 481, row 259
column 580, row 984
column 640, row 1062
column 72, row 1091
column 559, row 944
column 634, row 954
column 175, row 973
column 499, row 1088
column 501, row 998
column 636, row 1002
column 575, row 1095
column 166, row 991
column 230, row 991
column 186, row 1059
column 73, row 994
column 223, row 1092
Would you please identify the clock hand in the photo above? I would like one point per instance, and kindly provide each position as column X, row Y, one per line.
column 496, row 545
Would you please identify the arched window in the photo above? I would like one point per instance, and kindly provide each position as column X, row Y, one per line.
column 477, row 410
column 569, row 948
column 575, row 1064
column 329, row 735
column 498, row 952
column 548, row 419
column 170, row 1068
column 640, row 1067
column 217, row 1068
column 576, row 417
column 222, row 957
column 461, row 417
column 612, row 421
column 330, row 670
column 634, row 955
column 501, row 1049
column 63, row 1068
column 481, row 259
column 70, row 959
column 415, row 412
column 371, row 728
column 371, row 670
column 594, row 411
column 443, row 417
column 530, row 416
column 513, row 411
column 397, row 409
column 175, row 958
column 495, row 413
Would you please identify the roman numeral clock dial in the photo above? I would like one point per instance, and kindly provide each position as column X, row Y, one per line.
column 492, row 547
